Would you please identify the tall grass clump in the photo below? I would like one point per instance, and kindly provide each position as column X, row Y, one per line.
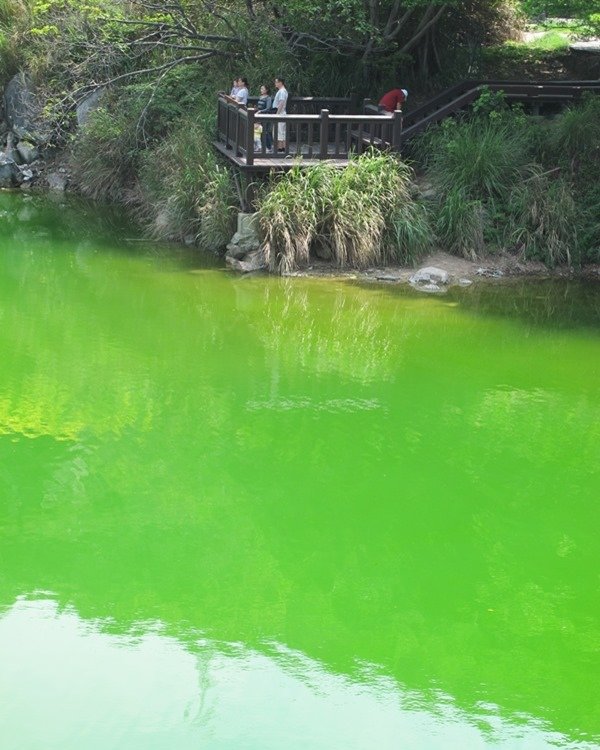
column 14, row 15
column 105, row 155
column 290, row 214
column 184, row 191
column 482, row 157
column 545, row 219
column 359, row 216
column 460, row 224
column 577, row 131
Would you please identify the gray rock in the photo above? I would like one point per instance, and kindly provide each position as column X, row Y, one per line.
column 87, row 105
column 254, row 261
column 490, row 273
column 236, row 251
column 57, row 181
column 387, row 277
column 21, row 109
column 246, row 239
column 9, row 172
column 10, row 149
column 323, row 251
column 431, row 288
column 464, row 282
column 27, row 151
column 430, row 274
column 26, row 174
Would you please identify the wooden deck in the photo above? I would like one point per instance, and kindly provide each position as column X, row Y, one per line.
column 310, row 137
column 325, row 129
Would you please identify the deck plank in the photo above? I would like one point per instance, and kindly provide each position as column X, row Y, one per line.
column 280, row 164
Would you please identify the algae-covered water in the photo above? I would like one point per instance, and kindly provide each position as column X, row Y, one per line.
column 289, row 514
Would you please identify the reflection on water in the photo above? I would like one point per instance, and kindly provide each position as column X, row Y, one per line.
column 288, row 513
column 92, row 688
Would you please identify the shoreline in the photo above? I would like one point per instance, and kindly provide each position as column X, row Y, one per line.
column 460, row 271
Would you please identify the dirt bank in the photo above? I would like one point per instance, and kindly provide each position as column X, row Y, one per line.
column 460, row 271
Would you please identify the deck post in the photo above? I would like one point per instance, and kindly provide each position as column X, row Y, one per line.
column 397, row 130
column 323, row 133
column 226, row 108
column 250, row 136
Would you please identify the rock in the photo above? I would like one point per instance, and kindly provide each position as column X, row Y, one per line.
column 490, row 273
column 387, row 277
column 87, row 105
column 9, row 172
column 246, row 239
column 26, row 174
column 57, row 181
column 464, row 282
column 323, row 251
column 235, row 251
column 254, row 261
column 27, row 151
column 21, row 109
column 10, row 150
column 430, row 274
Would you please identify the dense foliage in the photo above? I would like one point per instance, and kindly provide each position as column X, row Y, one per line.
column 159, row 65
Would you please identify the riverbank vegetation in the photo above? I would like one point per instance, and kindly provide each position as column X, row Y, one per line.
column 157, row 66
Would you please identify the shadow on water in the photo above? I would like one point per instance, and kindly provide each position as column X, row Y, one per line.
column 559, row 304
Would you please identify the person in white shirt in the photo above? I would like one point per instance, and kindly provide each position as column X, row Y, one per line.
column 242, row 94
column 235, row 88
column 280, row 104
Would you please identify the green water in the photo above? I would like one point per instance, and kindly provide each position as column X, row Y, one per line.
column 263, row 514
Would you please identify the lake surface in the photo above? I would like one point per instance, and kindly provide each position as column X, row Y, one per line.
column 263, row 514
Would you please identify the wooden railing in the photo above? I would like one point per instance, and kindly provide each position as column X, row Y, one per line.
column 325, row 128
column 451, row 101
column 246, row 133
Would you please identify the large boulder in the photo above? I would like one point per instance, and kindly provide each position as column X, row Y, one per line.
column 21, row 108
column 87, row 105
column 430, row 275
column 246, row 239
column 253, row 261
column 57, row 181
column 27, row 151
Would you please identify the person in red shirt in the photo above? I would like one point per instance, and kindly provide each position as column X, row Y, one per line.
column 393, row 100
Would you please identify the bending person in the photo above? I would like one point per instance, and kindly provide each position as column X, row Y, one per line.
column 392, row 100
